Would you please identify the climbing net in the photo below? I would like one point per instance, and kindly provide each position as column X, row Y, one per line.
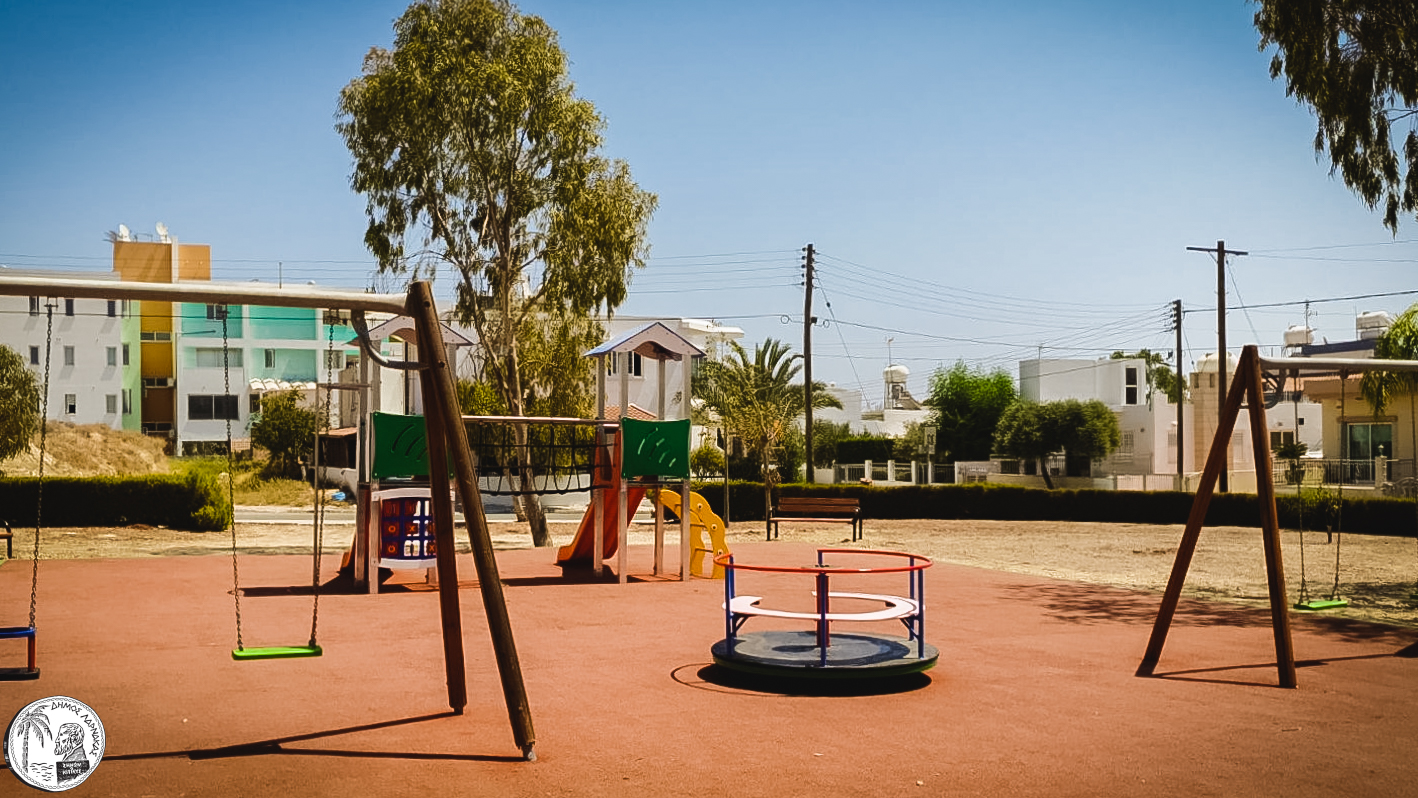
column 560, row 454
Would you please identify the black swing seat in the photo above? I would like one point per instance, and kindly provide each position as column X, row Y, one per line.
column 18, row 674
column 276, row 652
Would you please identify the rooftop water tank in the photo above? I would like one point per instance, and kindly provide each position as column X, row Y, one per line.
column 1372, row 324
column 894, row 374
column 1299, row 335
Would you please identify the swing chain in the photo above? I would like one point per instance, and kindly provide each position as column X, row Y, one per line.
column 43, row 435
column 319, row 504
column 230, row 475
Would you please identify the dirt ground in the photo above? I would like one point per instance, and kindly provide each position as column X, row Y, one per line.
column 1377, row 574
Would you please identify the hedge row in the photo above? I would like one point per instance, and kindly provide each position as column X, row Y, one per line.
column 194, row 501
column 1373, row 516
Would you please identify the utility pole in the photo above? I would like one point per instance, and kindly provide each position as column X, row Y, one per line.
column 808, row 320
column 1221, row 253
column 1181, row 396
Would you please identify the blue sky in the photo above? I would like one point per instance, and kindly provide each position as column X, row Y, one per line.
column 982, row 183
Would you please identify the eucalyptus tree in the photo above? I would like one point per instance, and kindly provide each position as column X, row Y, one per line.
column 1354, row 64
column 756, row 399
column 967, row 404
column 475, row 154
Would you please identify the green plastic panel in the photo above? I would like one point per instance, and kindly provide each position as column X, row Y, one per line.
column 654, row 449
column 400, row 446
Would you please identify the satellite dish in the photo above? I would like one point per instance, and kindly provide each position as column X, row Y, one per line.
column 124, row 234
column 162, row 232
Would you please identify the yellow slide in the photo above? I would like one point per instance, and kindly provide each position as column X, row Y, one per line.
column 701, row 519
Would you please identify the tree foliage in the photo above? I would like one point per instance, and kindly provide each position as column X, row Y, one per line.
column 825, row 437
column 286, row 430
column 1355, row 64
column 1160, row 377
column 1033, row 431
column 1398, row 342
column 19, row 404
column 967, row 406
column 473, row 151
column 756, row 399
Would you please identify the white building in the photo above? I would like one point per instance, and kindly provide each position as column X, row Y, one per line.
column 92, row 353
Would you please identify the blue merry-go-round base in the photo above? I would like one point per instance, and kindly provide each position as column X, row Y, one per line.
column 795, row 654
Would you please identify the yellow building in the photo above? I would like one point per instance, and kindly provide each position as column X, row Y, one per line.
column 159, row 262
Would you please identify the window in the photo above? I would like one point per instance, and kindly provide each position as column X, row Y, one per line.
column 112, row 352
column 125, row 354
column 1367, row 441
column 155, row 335
column 1130, row 385
column 1126, row 447
column 110, row 403
column 127, row 401
column 34, row 306
column 71, row 404
column 68, row 355
column 216, row 312
column 613, row 364
column 201, row 407
column 112, row 308
column 211, row 358
column 126, row 307
column 34, row 356
column 1279, row 438
column 68, row 307
column 254, row 402
column 334, row 361
column 157, row 382
column 270, row 358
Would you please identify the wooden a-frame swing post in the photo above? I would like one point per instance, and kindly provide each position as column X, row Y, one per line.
column 1247, row 387
column 446, row 435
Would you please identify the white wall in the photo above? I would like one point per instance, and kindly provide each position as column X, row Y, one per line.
column 90, row 332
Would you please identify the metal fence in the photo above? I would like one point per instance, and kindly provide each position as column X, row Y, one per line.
column 1376, row 472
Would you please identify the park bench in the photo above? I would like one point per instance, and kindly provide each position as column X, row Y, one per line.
column 816, row 510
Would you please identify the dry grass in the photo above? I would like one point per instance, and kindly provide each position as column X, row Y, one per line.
column 89, row 450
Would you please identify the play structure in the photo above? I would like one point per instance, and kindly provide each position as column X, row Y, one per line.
column 657, row 461
column 1247, row 388
column 446, row 439
column 636, row 455
column 822, row 654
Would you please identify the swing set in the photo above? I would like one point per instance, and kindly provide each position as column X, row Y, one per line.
column 447, row 442
column 1247, row 388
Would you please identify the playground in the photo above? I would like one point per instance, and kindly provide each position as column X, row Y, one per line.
column 1039, row 684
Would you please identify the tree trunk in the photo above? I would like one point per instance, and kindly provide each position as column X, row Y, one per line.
column 1044, row 469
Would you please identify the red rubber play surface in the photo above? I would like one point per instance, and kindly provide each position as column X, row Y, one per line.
column 1034, row 693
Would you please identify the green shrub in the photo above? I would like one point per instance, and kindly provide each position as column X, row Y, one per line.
column 859, row 449
column 1372, row 516
column 195, row 501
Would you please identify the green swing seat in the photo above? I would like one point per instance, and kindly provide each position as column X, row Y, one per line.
column 275, row 652
column 1316, row 605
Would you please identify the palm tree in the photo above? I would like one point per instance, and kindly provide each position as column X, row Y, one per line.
column 32, row 721
column 1399, row 342
column 756, row 399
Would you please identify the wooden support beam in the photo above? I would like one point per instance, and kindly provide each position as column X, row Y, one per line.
column 440, row 374
column 1215, row 461
column 1269, row 519
column 441, row 504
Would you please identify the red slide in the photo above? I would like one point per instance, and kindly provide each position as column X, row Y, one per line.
column 579, row 551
